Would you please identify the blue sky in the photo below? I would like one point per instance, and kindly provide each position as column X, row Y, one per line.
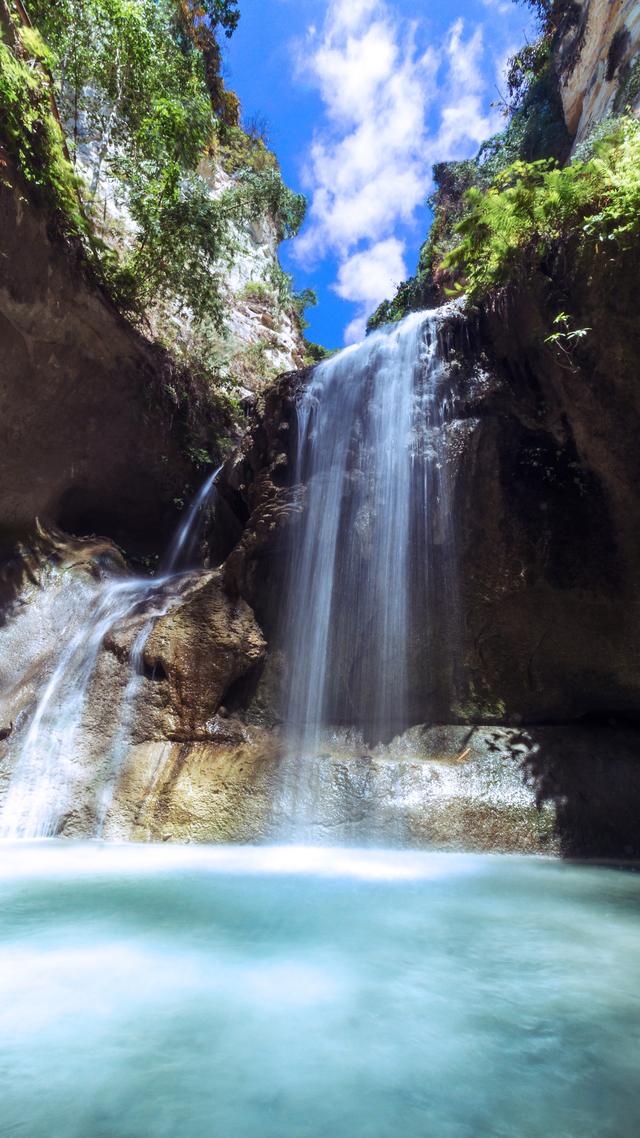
column 361, row 98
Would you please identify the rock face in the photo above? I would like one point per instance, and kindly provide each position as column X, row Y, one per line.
column 554, row 790
column 599, row 63
column 544, row 467
column 195, row 643
column 446, row 787
column 259, row 326
column 88, row 439
column 192, row 657
column 547, row 508
column 262, row 333
column 158, row 749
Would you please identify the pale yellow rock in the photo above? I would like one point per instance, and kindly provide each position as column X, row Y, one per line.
column 588, row 95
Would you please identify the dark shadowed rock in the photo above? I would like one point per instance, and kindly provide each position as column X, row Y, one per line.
column 544, row 469
column 89, row 437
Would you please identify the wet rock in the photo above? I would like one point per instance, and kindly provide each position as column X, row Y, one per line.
column 198, row 643
column 449, row 787
column 537, row 605
column 203, row 646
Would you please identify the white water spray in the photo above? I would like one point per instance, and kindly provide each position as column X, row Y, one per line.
column 363, row 575
column 41, row 791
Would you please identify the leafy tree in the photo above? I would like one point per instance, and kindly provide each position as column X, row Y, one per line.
column 219, row 13
column 196, row 22
column 139, row 89
column 124, row 79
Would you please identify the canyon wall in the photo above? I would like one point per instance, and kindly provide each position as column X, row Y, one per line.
column 544, row 468
column 89, row 438
column 540, row 686
column 598, row 62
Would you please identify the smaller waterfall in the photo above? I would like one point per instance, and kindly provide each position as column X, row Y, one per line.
column 371, row 577
column 41, row 788
column 182, row 548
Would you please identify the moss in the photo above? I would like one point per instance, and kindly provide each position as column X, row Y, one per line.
column 35, row 46
column 32, row 133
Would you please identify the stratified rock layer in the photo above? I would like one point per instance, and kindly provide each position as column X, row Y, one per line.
column 550, row 790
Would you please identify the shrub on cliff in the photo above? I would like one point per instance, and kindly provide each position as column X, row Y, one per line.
column 533, row 208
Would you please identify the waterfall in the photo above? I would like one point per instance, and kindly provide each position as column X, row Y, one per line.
column 41, row 788
column 370, row 578
column 182, row 548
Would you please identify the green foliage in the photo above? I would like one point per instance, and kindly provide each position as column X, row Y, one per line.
column 601, row 132
column 411, row 294
column 532, row 208
column 239, row 150
column 535, row 130
column 257, row 291
column 534, row 61
column 552, row 13
column 300, row 301
column 222, row 13
column 315, row 353
column 524, row 68
column 254, row 361
column 628, row 87
column 184, row 242
column 267, row 193
column 123, row 76
column 565, row 338
column 277, row 295
column 140, row 79
column 31, row 131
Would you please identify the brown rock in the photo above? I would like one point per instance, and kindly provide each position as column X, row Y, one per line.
column 203, row 645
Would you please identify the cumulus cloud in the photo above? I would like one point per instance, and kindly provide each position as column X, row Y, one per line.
column 367, row 277
column 391, row 109
column 464, row 121
column 501, row 6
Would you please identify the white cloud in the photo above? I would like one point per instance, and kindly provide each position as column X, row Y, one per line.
column 367, row 277
column 464, row 121
column 390, row 111
column 501, row 6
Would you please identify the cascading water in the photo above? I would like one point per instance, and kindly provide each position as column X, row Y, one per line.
column 371, row 581
column 182, row 549
column 42, row 784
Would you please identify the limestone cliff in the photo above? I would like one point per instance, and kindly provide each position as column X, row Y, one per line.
column 598, row 62
column 262, row 334
column 110, row 411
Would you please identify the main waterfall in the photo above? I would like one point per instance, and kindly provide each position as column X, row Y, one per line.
column 369, row 636
column 371, row 583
